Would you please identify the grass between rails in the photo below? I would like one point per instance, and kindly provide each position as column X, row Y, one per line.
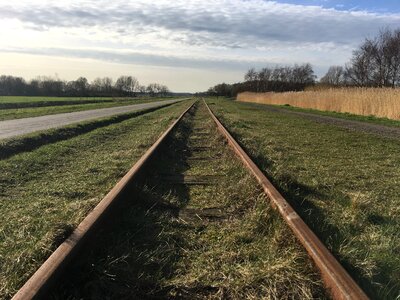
column 178, row 238
column 45, row 193
column 344, row 184
column 29, row 142
column 48, row 107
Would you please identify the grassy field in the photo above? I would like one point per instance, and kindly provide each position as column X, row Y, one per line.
column 344, row 184
column 189, row 241
column 46, row 192
column 30, row 99
column 345, row 116
column 24, row 107
column 378, row 102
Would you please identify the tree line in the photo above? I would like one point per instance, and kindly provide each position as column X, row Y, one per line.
column 376, row 63
column 124, row 86
column 276, row 79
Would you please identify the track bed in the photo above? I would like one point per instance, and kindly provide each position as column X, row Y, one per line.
column 196, row 226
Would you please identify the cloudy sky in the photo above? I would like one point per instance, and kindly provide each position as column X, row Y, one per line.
column 187, row 45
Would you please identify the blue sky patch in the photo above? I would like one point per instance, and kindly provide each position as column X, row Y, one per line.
column 388, row 6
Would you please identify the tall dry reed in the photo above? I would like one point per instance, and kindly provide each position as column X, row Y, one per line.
column 380, row 102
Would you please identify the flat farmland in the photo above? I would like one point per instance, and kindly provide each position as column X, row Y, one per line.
column 344, row 183
column 16, row 107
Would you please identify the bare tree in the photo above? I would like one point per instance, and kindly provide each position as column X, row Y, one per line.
column 152, row 89
column 334, row 76
column 97, row 86
column 10, row 85
column 127, row 84
column 142, row 89
column 304, row 74
column 251, row 78
column 250, row 75
column 377, row 61
column 264, row 76
column 107, row 83
column 50, row 86
column 78, row 87
column 164, row 90
column 53, row 86
column 156, row 89
column 102, row 86
column 358, row 70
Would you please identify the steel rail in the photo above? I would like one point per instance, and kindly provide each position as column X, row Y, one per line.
column 42, row 280
column 336, row 279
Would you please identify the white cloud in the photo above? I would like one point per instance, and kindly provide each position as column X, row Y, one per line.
column 225, row 23
column 205, row 34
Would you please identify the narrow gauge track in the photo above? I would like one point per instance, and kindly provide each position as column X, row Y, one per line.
column 195, row 169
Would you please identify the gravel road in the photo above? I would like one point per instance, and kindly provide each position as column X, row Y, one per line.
column 12, row 128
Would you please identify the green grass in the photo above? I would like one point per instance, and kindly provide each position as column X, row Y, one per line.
column 174, row 240
column 345, row 116
column 36, row 99
column 344, row 184
column 26, row 99
column 29, row 142
column 47, row 192
column 52, row 105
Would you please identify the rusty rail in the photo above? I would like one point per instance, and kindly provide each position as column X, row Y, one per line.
column 336, row 279
column 42, row 280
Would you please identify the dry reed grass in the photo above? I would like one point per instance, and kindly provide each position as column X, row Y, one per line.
column 379, row 102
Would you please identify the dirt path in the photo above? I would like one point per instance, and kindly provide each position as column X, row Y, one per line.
column 12, row 128
column 376, row 129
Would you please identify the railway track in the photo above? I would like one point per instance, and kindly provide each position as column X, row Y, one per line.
column 188, row 221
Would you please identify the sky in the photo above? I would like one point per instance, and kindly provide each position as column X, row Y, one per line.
column 187, row 45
